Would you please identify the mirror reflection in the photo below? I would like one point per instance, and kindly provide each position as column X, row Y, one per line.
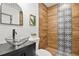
column 11, row 14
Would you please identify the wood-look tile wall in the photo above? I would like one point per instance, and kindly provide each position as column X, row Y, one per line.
column 52, row 27
column 43, row 25
column 75, row 29
column 48, row 28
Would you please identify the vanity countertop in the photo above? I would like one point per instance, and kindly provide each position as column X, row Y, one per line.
column 6, row 48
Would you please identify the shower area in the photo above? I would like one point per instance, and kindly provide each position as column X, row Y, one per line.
column 59, row 29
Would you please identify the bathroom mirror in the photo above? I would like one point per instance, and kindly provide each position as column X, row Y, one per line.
column 11, row 14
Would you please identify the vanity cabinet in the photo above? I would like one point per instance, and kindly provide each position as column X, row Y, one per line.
column 25, row 51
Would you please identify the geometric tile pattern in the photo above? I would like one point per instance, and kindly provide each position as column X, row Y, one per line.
column 68, row 31
column 64, row 29
column 61, row 31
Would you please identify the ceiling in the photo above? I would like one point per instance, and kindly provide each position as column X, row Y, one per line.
column 49, row 4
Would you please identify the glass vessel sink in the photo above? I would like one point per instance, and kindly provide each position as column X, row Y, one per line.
column 17, row 43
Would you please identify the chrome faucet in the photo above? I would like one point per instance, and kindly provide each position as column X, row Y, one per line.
column 13, row 34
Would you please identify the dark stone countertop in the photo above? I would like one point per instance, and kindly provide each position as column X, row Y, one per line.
column 6, row 48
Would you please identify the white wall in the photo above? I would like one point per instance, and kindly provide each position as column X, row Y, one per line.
column 25, row 30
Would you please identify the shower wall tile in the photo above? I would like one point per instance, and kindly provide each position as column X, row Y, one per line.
column 43, row 27
column 68, row 16
column 60, row 19
column 68, row 37
column 52, row 28
column 64, row 29
column 60, row 30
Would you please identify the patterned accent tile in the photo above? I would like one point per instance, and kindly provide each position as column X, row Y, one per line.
column 64, row 29
column 61, row 19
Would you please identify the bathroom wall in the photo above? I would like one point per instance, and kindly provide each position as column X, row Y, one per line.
column 64, row 29
column 48, row 28
column 43, row 25
column 68, row 30
column 25, row 30
column 52, row 29
column 75, row 29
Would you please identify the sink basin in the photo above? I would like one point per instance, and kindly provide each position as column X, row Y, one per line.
column 17, row 43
